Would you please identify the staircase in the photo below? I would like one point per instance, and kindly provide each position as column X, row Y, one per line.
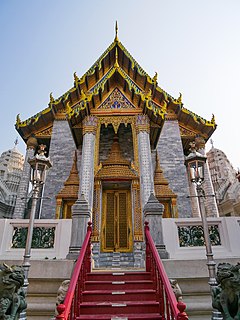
column 119, row 295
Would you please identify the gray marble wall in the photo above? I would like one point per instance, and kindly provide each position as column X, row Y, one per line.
column 61, row 154
column 171, row 155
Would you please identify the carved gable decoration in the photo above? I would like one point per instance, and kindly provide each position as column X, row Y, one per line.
column 186, row 132
column 116, row 100
column 46, row 133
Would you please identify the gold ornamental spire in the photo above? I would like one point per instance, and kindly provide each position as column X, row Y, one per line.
column 116, row 31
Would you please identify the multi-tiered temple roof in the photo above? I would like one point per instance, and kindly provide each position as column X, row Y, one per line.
column 115, row 68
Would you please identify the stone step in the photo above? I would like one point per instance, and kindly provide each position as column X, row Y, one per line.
column 118, row 285
column 119, row 295
column 116, row 308
column 118, row 275
column 146, row 316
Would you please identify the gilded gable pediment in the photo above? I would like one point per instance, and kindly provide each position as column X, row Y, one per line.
column 115, row 101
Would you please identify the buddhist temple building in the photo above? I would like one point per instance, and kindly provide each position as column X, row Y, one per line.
column 114, row 138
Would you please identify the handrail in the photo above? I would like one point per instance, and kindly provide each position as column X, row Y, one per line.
column 169, row 308
column 69, row 310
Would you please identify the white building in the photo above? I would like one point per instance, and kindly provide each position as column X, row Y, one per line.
column 11, row 166
column 225, row 183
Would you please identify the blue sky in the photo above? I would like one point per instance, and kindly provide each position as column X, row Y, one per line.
column 193, row 45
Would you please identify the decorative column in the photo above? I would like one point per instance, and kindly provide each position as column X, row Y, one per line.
column 82, row 209
column 21, row 201
column 145, row 159
column 87, row 163
column 211, row 204
column 153, row 212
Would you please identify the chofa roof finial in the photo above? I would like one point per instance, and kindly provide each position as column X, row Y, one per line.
column 116, row 31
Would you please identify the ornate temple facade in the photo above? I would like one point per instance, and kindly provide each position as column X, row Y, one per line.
column 114, row 138
column 11, row 166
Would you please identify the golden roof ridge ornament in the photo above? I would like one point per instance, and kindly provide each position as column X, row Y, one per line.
column 213, row 119
column 76, row 79
column 18, row 120
column 116, row 32
column 155, row 78
column 116, row 65
column 52, row 100
column 179, row 99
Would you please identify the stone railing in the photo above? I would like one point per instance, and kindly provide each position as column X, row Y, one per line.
column 51, row 238
column 184, row 237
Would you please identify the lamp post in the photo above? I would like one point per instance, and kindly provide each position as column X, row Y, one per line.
column 195, row 162
column 39, row 164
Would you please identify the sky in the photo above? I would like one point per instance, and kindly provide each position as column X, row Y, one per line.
column 193, row 45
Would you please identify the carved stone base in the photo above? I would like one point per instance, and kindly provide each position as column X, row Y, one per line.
column 80, row 218
column 161, row 248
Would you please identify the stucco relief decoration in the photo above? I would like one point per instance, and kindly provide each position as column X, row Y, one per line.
column 116, row 100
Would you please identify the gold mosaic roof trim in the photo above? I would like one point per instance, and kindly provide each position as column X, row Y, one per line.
column 199, row 119
column 71, row 185
column 161, row 185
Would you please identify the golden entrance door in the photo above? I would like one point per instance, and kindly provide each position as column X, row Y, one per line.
column 116, row 232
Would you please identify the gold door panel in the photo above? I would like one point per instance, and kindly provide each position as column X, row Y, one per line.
column 116, row 232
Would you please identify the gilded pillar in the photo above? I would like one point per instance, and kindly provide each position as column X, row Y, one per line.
column 136, row 201
column 58, row 208
column 145, row 159
column 96, row 211
column 87, row 163
column 21, row 202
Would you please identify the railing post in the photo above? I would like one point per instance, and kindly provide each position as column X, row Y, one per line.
column 61, row 309
column 153, row 211
column 182, row 314
column 89, row 228
column 148, row 259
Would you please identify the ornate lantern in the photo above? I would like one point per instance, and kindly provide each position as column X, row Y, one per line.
column 195, row 162
column 39, row 165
